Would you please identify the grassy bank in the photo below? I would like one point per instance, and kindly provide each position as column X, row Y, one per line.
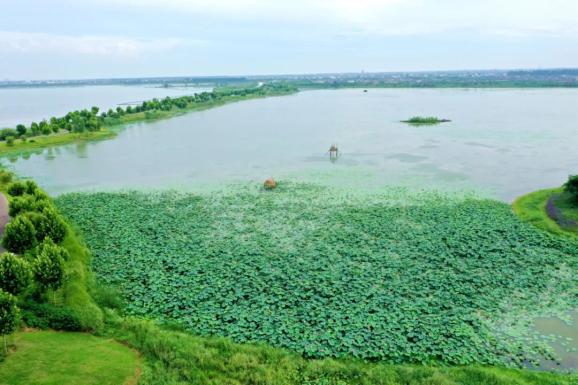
column 175, row 357
column 40, row 142
column 56, row 358
column 531, row 208
column 111, row 124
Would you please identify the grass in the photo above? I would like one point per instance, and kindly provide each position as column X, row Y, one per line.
column 531, row 208
column 174, row 357
column 40, row 142
column 397, row 277
column 55, row 358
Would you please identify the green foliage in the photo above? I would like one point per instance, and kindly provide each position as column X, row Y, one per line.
column 48, row 265
column 17, row 188
column 571, row 186
column 428, row 120
column 178, row 358
column 47, row 316
column 19, row 235
column 48, row 224
column 8, row 313
column 15, row 274
column 393, row 277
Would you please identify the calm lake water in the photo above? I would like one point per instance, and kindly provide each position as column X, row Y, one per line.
column 25, row 105
column 501, row 143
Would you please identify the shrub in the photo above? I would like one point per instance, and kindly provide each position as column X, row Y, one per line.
column 49, row 265
column 25, row 203
column 10, row 140
column 46, row 316
column 48, row 224
column 5, row 177
column 17, row 189
column 19, row 235
column 571, row 186
column 8, row 315
column 15, row 274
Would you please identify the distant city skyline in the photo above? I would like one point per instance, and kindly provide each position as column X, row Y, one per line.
column 64, row 39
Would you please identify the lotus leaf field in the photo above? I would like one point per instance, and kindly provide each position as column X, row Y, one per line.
column 397, row 275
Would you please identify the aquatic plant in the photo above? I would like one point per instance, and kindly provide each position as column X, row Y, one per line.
column 428, row 120
column 392, row 276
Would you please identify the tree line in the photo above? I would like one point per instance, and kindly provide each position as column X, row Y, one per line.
column 33, row 267
column 90, row 120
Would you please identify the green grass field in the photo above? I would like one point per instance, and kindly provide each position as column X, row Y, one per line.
column 531, row 208
column 57, row 358
column 40, row 142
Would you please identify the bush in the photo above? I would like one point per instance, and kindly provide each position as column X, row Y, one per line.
column 572, row 186
column 25, row 203
column 46, row 316
column 19, row 235
column 10, row 141
column 48, row 224
column 17, row 189
column 15, row 274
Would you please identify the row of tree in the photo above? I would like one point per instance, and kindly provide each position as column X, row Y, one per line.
column 34, row 261
column 90, row 120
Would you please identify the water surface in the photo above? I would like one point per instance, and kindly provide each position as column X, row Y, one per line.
column 502, row 143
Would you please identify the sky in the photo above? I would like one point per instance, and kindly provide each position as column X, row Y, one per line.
column 78, row 39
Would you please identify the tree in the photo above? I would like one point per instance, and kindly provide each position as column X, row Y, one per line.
column 15, row 274
column 94, row 110
column 19, row 235
column 21, row 129
column 10, row 140
column 8, row 316
column 34, row 128
column 572, row 186
column 49, row 265
column 47, row 223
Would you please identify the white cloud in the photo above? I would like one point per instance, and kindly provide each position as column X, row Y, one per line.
column 513, row 18
column 43, row 43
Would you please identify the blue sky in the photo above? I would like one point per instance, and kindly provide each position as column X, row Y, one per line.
column 65, row 39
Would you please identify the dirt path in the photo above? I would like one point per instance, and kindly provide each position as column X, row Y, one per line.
column 4, row 217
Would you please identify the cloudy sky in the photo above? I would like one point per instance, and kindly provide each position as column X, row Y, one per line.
column 49, row 39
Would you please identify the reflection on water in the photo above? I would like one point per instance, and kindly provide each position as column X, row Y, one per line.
column 501, row 142
column 562, row 337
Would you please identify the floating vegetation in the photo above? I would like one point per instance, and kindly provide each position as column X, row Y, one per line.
column 392, row 276
column 428, row 120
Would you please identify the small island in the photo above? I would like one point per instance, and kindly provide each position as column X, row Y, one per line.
column 427, row 120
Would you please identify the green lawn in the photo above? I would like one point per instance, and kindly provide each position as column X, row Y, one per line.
column 41, row 142
column 531, row 208
column 57, row 358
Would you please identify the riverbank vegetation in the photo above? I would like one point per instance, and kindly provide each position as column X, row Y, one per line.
column 170, row 354
column 427, row 120
column 553, row 210
column 86, row 125
column 396, row 277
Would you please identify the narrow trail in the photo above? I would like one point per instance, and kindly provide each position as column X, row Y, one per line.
column 4, row 217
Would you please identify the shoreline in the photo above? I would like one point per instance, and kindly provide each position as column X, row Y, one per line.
column 112, row 126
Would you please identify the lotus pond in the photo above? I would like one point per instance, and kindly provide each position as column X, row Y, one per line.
column 391, row 275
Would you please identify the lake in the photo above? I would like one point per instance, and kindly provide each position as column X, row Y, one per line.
column 501, row 143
